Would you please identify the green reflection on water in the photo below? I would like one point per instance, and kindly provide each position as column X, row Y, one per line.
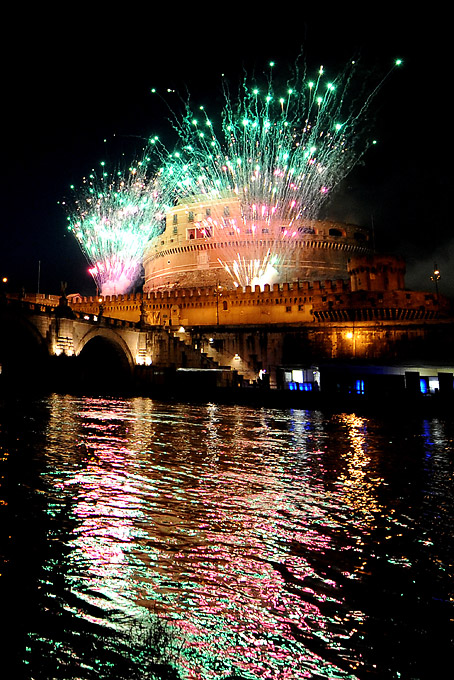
column 260, row 536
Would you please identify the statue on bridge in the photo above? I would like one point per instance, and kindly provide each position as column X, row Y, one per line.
column 63, row 310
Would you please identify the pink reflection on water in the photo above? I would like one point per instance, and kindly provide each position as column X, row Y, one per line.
column 228, row 579
column 104, row 507
column 203, row 520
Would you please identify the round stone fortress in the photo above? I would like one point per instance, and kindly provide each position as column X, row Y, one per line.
column 205, row 239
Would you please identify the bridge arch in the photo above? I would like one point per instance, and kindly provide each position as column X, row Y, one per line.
column 104, row 360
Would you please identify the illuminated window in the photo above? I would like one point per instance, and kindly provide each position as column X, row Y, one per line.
column 434, row 385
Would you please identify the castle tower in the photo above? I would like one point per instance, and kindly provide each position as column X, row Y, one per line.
column 211, row 242
column 376, row 273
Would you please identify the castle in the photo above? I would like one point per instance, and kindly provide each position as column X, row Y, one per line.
column 338, row 319
column 202, row 245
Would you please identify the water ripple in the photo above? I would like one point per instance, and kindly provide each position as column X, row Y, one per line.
column 264, row 537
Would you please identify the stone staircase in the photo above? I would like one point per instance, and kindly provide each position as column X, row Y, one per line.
column 212, row 358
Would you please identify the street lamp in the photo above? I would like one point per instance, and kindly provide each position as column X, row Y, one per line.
column 436, row 276
column 217, row 293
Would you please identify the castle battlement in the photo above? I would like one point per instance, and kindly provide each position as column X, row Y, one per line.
column 298, row 303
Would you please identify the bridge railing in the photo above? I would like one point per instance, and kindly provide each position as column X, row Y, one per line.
column 104, row 320
column 21, row 303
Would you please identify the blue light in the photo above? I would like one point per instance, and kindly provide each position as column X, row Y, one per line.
column 423, row 385
column 301, row 387
column 359, row 386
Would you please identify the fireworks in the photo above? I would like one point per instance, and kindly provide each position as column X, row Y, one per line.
column 113, row 218
column 277, row 158
column 256, row 180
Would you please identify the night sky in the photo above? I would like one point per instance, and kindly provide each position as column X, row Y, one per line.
column 71, row 83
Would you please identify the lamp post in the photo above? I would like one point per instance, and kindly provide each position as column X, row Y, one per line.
column 217, row 292
column 436, row 276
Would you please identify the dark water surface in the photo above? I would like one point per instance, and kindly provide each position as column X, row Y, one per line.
column 278, row 544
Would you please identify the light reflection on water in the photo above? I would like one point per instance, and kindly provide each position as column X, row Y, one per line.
column 260, row 534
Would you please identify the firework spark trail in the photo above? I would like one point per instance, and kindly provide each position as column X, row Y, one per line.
column 279, row 158
column 113, row 216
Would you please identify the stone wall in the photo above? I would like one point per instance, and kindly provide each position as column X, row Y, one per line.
column 303, row 303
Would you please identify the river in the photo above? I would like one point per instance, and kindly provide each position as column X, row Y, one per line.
column 274, row 544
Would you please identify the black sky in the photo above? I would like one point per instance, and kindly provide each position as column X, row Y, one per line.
column 71, row 82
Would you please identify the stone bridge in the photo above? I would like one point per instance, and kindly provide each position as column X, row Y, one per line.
column 65, row 348
column 53, row 346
